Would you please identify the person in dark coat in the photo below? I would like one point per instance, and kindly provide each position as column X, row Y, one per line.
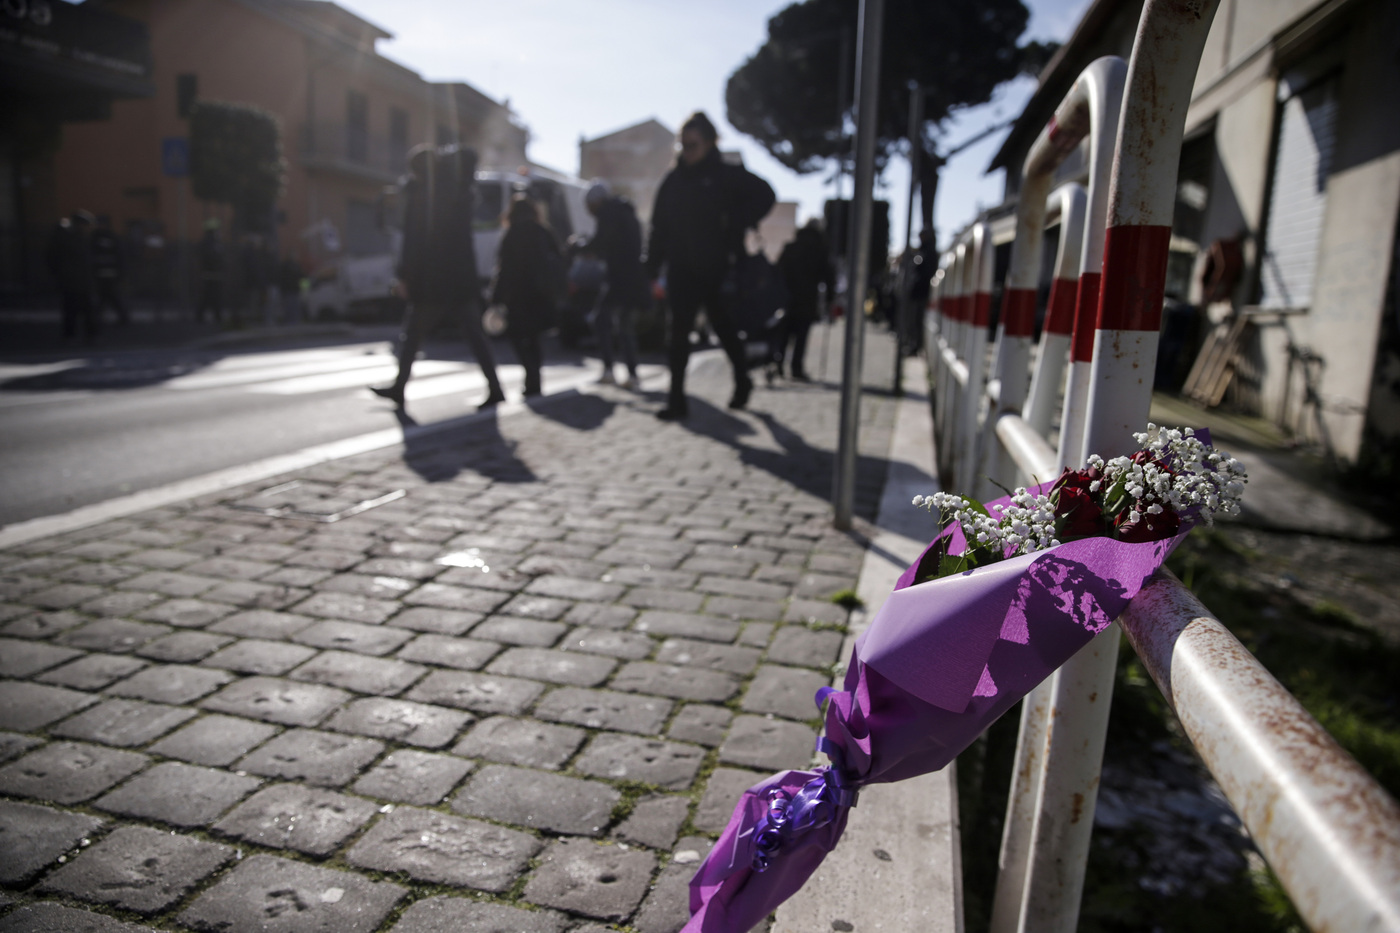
column 108, row 269
column 702, row 210
column 257, row 275
column 921, row 267
column 530, row 258
column 618, row 243
column 805, row 266
column 211, row 272
column 437, row 267
column 69, row 257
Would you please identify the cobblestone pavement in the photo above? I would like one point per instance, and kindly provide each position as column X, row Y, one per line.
column 521, row 696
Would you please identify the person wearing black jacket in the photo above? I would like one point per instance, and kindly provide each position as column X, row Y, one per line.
column 437, row 266
column 69, row 256
column 618, row 243
column 211, row 272
column 528, row 252
column 805, row 266
column 702, row 210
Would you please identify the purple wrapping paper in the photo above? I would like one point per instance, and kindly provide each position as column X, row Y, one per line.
column 938, row 664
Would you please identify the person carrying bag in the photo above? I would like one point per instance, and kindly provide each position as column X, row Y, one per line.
column 531, row 282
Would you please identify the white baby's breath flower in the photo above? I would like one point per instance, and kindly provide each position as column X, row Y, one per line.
column 1179, row 473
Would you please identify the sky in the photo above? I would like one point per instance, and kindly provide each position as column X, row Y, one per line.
column 582, row 69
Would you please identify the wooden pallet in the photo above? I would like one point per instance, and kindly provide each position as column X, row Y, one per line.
column 1214, row 368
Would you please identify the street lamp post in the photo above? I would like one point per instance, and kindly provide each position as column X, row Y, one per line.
column 902, row 309
column 872, row 14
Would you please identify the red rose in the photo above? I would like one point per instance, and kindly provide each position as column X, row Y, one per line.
column 1147, row 527
column 1078, row 479
column 1077, row 515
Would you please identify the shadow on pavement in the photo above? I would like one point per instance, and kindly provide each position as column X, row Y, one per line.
column 109, row 372
column 477, row 447
column 809, row 468
column 573, row 409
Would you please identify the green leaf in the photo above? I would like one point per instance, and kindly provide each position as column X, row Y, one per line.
column 949, row 566
column 975, row 506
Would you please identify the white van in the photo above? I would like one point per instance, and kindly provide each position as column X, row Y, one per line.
column 362, row 283
column 561, row 195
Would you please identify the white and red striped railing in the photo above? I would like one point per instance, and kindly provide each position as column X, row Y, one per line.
column 1330, row 833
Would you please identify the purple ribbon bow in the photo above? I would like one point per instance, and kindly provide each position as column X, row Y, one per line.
column 816, row 805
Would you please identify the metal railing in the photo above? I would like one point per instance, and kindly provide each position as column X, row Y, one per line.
column 1327, row 829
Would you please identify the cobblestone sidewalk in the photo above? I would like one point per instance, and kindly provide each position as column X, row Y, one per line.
column 520, row 694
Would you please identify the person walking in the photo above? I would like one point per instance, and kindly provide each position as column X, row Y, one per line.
column 702, row 210
column 211, row 272
column 108, row 269
column 919, row 269
column 618, row 243
column 805, row 265
column 529, row 272
column 437, row 267
column 69, row 257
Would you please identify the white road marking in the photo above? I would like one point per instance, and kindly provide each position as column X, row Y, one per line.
column 384, row 371
column 218, row 377
column 10, row 371
column 277, row 357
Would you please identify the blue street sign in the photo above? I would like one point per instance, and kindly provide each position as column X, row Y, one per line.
column 175, row 156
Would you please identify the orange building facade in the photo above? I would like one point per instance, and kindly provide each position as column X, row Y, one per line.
column 348, row 117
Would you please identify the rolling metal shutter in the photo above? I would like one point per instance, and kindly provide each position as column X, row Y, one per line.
column 1302, row 162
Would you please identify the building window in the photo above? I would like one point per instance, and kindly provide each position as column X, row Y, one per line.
column 356, row 127
column 1307, row 136
column 398, row 139
column 186, row 94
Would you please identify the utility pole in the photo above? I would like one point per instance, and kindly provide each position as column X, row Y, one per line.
column 916, row 123
column 843, row 81
column 902, row 309
column 872, row 15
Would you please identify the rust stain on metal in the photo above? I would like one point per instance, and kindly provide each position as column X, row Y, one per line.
column 1293, row 786
column 1077, row 809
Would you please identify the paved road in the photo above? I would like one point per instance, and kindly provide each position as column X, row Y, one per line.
column 89, row 428
column 523, row 695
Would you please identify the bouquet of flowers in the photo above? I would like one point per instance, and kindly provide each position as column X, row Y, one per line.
column 1005, row 594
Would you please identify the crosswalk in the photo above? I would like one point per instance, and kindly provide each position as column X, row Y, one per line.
column 290, row 373
column 314, row 371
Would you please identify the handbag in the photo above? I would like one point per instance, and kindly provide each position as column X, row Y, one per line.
column 761, row 294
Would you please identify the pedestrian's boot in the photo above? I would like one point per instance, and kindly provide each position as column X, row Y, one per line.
column 393, row 393
column 742, row 390
column 676, row 408
column 496, row 396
